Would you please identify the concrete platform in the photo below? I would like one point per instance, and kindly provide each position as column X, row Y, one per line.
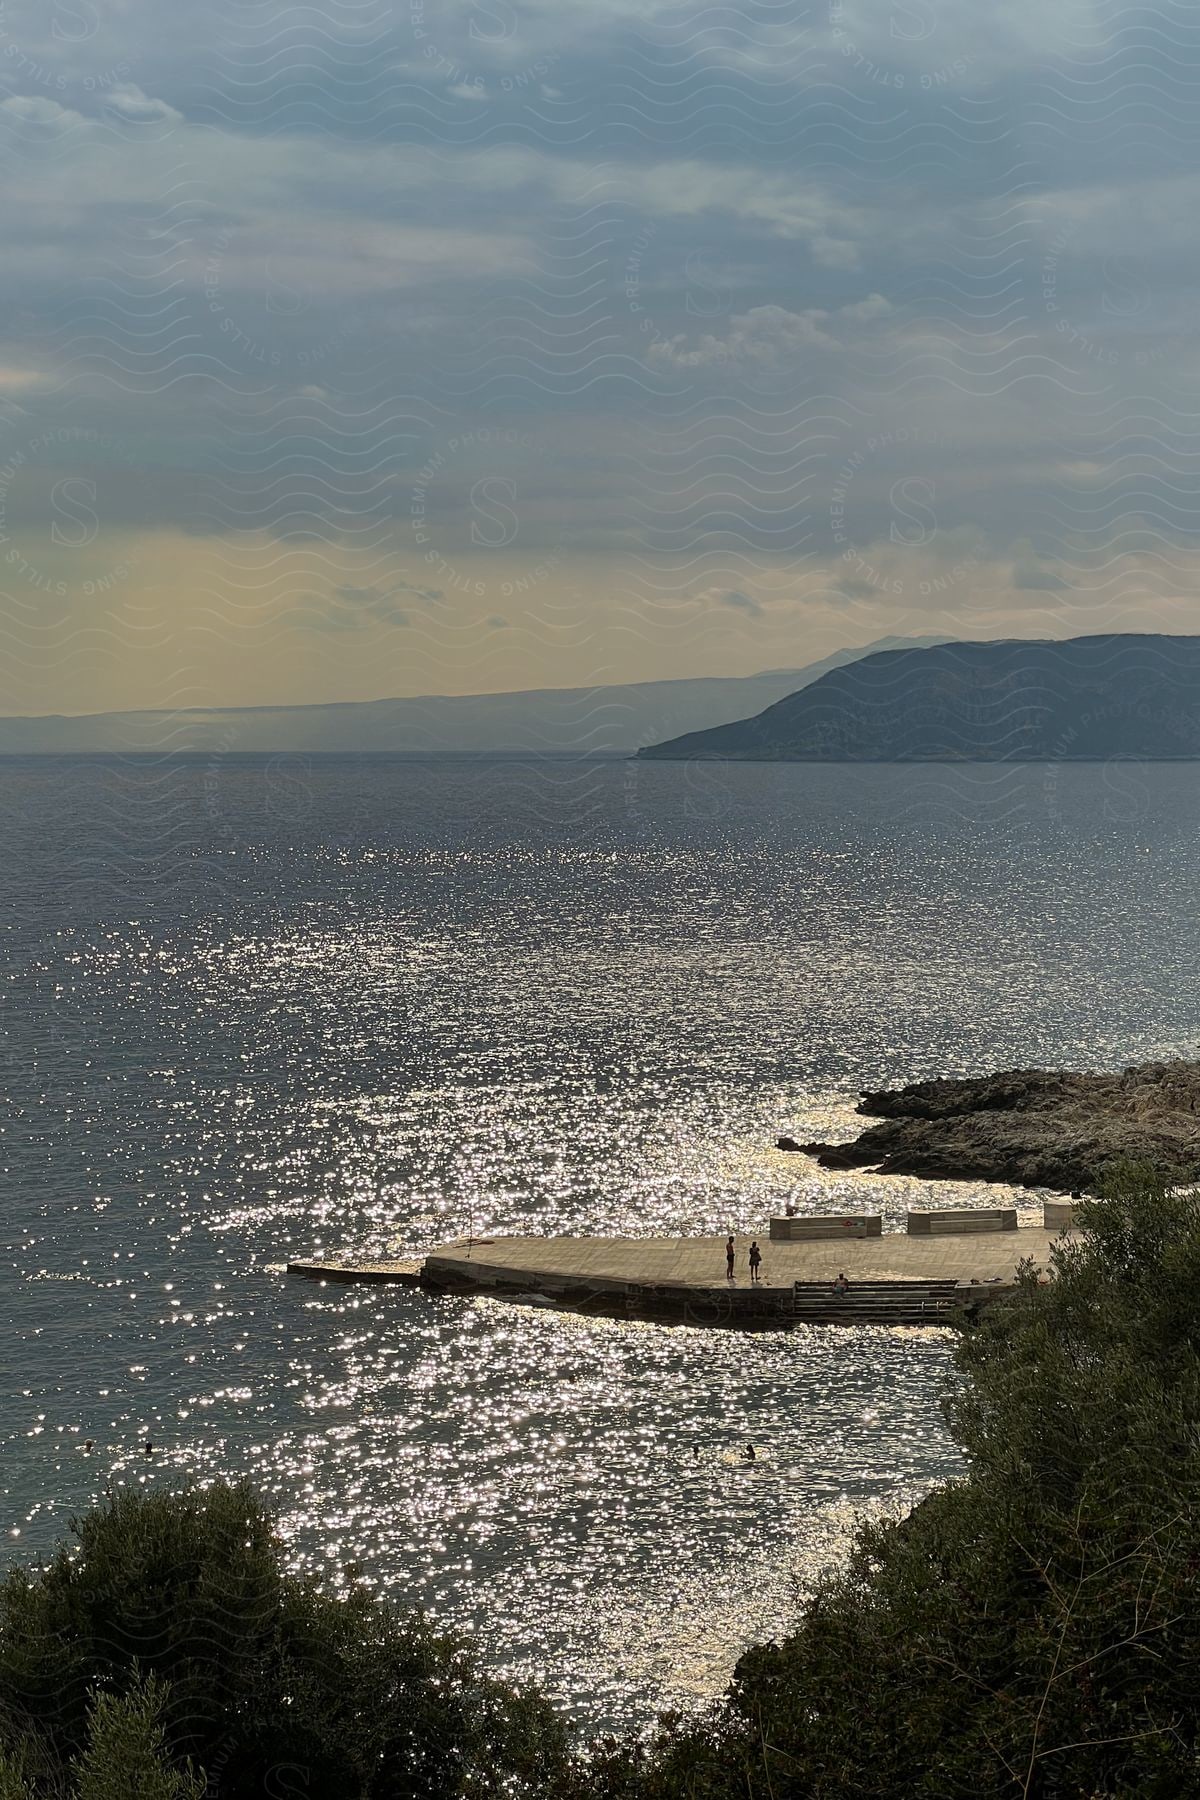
column 397, row 1274
column 684, row 1278
column 699, row 1262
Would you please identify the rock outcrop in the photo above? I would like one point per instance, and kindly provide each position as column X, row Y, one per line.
column 1030, row 1127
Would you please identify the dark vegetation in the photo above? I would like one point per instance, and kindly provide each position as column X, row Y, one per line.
column 1030, row 1630
column 169, row 1634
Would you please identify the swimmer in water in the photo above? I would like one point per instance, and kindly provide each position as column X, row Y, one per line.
column 750, row 1454
column 149, row 1448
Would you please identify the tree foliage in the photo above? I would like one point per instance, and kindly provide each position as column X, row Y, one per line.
column 1030, row 1630
column 267, row 1683
column 126, row 1756
column 13, row 1785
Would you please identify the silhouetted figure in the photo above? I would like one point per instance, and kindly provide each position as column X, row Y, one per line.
column 750, row 1454
column 149, row 1450
column 755, row 1260
column 88, row 1442
column 729, row 1247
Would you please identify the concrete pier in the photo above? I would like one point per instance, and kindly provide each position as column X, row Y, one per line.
column 906, row 1279
column 395, row 1274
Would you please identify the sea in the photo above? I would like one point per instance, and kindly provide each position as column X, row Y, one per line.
column 259, row 1008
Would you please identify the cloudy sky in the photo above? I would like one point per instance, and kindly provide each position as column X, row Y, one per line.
column 370, row 347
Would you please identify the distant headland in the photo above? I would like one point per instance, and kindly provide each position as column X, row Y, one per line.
column 1029, row 1127
column 1082, row 699
column 602, row 720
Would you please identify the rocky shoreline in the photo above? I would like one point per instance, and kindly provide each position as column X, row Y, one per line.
column 1039, row 1128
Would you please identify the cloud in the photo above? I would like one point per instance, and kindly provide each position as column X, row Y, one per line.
column 351, row 608
column 807, row 211
column 765, row 334
column 16, row 379
column 38, row 109
column 338, row 263
column 132, row 104
column 735, row 599
column 1029, row 571
column 864, row 312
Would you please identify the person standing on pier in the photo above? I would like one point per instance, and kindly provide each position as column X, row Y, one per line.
column 729, row 1258
column 755, row 1259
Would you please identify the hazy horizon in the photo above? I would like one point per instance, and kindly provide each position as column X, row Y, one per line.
column 480, row 694
column 383, row 699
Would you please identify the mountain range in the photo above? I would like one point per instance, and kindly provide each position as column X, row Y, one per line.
column 596, row 721
column 1035, row 700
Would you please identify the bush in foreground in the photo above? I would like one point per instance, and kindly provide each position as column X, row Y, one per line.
column 1031, row 1630
column 169, row 1639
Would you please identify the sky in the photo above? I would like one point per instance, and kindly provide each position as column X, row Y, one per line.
column 385, row 347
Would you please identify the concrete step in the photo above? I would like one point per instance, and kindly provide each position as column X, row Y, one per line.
column 880, row 1289
column 892, row 1315
column 874, row 1303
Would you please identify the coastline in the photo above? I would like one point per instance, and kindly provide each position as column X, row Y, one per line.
column 1032, row 1128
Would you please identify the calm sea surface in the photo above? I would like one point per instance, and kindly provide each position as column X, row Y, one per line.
column 253, row 1009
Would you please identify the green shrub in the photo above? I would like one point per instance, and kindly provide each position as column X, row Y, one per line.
column 13, row 1785
column 126, row 1756
column 266, row 1681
